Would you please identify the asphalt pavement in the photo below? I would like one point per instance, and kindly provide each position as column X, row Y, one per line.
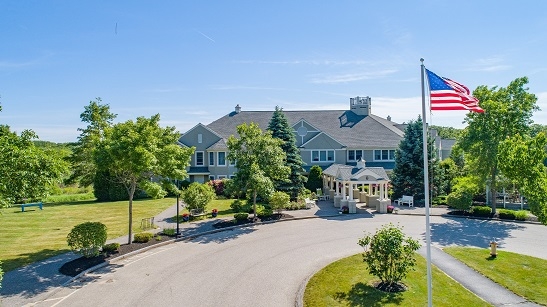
column 36, row 282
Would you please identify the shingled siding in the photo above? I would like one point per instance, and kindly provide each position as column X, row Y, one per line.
column 325, row 135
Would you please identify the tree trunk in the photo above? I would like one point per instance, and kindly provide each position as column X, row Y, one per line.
column 493, row 190
column 254, row 204
column 131, row 191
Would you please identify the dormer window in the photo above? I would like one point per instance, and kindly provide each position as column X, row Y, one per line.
column 200, row 138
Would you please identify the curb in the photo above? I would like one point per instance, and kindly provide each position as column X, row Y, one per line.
column 187, row 238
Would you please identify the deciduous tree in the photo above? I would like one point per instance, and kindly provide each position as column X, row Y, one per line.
column 99, row 119
column 135, row 152
column 259, row 161
column 26, row 171
column 522, row 161
column 508, row 112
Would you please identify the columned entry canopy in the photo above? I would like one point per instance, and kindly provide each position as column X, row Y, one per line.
column 346, row 183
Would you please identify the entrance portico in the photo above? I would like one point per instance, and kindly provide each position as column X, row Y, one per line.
column 347, row 184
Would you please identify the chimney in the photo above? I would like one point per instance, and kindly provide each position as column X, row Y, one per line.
column 360, row 105
column 389, row 118
column 238, row 109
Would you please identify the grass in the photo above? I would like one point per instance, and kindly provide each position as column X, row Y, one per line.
column 346, row 282
column 223, row 207
column 523, row 275
column 37, row 234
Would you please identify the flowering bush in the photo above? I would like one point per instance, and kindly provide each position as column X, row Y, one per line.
column 217, row 185
column 214, row 212
column 390, row 209
column 345, row 209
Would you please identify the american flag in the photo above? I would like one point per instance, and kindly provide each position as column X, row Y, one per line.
column 447, row 94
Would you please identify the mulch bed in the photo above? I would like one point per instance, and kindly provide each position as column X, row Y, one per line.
column 234, row 222
column 78, row 265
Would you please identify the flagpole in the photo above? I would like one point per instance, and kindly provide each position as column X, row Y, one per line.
column 426, row 189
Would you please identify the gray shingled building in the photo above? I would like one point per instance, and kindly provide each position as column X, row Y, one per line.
column 324, row 138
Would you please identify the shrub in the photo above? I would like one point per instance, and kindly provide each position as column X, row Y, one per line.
column 439, row 200
column 170, row 232
column 241, row 216
column 143, row 237
column 264, row 212
column 87, row 238
column 217, row 185
column 111, row 248
column 279, row 200
column 506, row 214
column 521, row 215
column 237, row 205
column 198, row 195
column 388, row 254
column 481, row 211
column 460, row 199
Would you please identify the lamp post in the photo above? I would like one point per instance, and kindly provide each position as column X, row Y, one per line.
column 178, row 229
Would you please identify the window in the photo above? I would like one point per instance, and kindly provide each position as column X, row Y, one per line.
column 384, row 155
column 211, row 177
column 322, row 155
column 200, row 138
column 221, row 176
column 199, row 158
column 211, row 158
column 222, row 158
column 232, row 176
column 355, row 155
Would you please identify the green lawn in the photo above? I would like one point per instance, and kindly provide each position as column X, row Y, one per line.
column 524, row 275
column 39, row 234
column 347, row 283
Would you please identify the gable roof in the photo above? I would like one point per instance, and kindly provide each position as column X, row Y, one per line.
column 347, row 128
column 346, row 172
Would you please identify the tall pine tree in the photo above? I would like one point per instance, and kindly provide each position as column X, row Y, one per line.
column 408, row 174
column 280, row 128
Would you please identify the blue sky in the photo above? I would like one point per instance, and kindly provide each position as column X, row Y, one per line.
column 193, row 61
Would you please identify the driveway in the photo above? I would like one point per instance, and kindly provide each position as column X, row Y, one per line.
column 266, row 265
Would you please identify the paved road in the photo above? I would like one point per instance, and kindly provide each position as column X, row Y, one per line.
column 266, row 265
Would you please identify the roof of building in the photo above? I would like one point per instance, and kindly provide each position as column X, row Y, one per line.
column 347, row 172
column 447, row 144
column 348, row 128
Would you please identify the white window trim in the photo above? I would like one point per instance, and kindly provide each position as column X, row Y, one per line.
column 211, row 160
column 355, row 154
column 202, row 159
column 211, row 177
column 218, row 158
column 221, row 176
column 326, row 155
column 382, row 160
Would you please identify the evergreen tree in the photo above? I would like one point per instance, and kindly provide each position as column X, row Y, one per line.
column 315, row 178
column 408, row 174
column 280, row 128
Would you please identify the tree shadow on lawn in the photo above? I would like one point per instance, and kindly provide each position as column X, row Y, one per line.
column 471, row 232
column 365, row 295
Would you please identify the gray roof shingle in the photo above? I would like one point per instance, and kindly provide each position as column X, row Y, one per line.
column 353, row 131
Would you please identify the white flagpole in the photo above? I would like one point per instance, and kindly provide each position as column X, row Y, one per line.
column 426, row 190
